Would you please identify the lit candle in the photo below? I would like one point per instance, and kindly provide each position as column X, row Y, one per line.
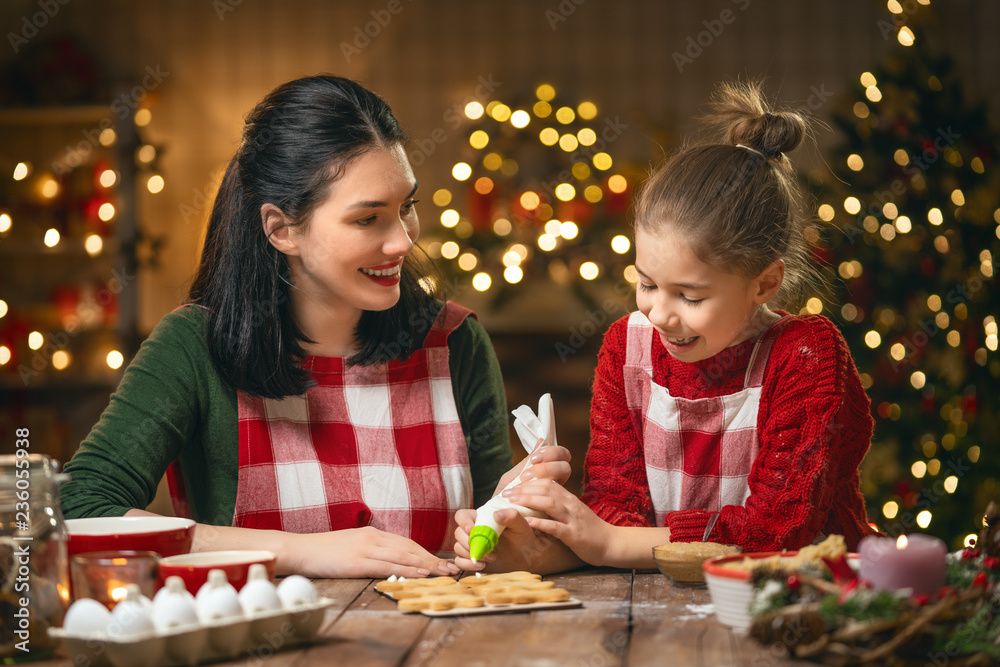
column 915, row 562
column 104, row 575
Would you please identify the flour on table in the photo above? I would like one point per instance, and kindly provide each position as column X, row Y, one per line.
column 698, row 612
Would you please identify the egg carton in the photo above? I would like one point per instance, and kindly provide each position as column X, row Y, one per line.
column 257, row 635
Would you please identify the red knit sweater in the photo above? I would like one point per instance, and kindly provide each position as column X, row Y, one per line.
column 814, row 426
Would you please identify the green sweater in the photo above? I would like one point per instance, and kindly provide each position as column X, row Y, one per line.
column 171, row 403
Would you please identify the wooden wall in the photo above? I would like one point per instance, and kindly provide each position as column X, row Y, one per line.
column 218, row 57
column 223, row 55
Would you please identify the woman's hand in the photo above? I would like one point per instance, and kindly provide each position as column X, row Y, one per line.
column 349, row 553
column 364, row 552
column 546, row 463
column 570, row 521
column 519, row 547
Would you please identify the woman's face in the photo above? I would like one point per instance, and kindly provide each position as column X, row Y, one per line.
column 348, row 254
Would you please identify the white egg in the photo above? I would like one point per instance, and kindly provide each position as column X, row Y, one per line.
column 219, row 604
column 174, row 607
column 259, row 594
column 132, row 616
column 216, row 579
column 171, row 586
column 86, row 616
column 217, row 599
column 295, row 590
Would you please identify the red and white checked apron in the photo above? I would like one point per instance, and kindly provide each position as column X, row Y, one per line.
column 698, row 452
column 375, row 445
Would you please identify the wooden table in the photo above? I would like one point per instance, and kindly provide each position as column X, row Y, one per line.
column 627, row 618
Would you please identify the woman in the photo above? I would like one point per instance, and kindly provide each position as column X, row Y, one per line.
column 320, row 402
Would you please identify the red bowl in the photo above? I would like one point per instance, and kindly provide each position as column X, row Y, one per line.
column 717, row 567
column 193, row 568
column 165, row 535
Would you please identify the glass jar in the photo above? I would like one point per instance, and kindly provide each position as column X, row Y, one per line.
column 34, row 575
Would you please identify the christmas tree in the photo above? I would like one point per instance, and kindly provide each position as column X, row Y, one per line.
column 537, row 196
column 913, row 195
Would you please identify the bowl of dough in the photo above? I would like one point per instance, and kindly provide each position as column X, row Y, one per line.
column 681, row 562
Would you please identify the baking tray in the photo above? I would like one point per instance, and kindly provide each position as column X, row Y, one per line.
column 489, row 608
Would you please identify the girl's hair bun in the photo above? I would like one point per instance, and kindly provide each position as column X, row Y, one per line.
column 745, row 118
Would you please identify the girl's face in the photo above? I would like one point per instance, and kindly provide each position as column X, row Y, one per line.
column 697, row 309
column 348, row 255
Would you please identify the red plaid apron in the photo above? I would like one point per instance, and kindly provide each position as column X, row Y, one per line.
column 377, row 445
column 698, row 452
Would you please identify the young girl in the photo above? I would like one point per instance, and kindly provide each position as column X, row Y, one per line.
column 713, row 415
column 320, row 402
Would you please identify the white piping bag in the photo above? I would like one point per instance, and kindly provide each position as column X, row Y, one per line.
column 535, row 432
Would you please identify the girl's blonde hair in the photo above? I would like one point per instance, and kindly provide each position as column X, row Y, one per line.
column 738, row 202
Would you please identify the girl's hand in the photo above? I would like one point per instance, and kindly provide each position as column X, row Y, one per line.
column 362, row 552
column 546, row 463
column 519, row 547
column 570, row 521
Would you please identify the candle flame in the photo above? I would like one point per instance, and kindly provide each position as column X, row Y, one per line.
column 118, row 594
column 901, row 542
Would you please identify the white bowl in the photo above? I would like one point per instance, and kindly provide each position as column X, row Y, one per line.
column 731, row 590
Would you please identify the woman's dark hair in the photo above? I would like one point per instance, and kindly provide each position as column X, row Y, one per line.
column 296, row 142
column 738, row 203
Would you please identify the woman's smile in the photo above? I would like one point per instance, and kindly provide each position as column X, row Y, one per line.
column 385, row 274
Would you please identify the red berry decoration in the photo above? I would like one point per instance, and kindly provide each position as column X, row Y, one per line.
column 793, row 582
column 991, row 562
column 922, row 599
column 968, row 553
column 980, row 579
